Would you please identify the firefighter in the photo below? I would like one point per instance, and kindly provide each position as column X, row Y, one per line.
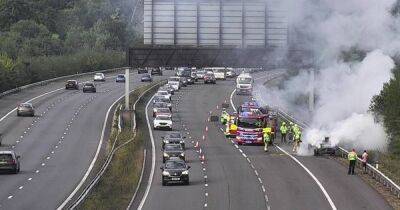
column 266, row 137
column 224, row 117
column 352, row 156
column 230, row 126
column 291, row 132
column 297, row 137
column 283, row 129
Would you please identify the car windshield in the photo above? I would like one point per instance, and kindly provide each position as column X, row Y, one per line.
column 163, row 93
column 5, row 157
column 200, row 72
column 160, row 105
column 209, row 74
column 173, row 147
column 89, row 85
column 163, row 110
column 244, row 80
column 120, row 76
column 175, row 165
column 99, row 74
column 250, row 122
column 71, row 81
column 220, row 70
column 174, row 79
column 146, row 75
column 174, row 135
column 159, row 99
column 26, row 105
column 163, row 118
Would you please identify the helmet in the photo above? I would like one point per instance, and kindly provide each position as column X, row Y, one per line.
column 283, row 123
column 291, row 123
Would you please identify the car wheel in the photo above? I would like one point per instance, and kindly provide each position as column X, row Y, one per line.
column 33, row 114
column 163, row 160
column 164, row 183
column 15, row 171
column 187, row 182
column 18, row 114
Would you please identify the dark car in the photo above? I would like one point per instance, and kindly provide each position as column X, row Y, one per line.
column 173, row 138
column 25, row 109
column 159, row 105
column 156, row 71
column 209, row 78
column 184, row 81
column 175, row 171
column 120, row 78
column 89, row 87
column 146, row 78
column 72, row 84
column 142, row 71
column 173, row 150
column 9, row 161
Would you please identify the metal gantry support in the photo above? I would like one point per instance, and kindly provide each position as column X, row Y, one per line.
column 127, row 79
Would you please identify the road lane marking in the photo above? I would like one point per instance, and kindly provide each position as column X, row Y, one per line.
column 95, row 156
column 153, row 158
column 312, row 176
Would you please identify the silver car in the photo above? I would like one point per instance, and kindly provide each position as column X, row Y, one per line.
column 25, row 109
column 9, row 161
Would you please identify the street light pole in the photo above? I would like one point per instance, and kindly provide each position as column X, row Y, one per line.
column 311, row 91
column 127, row 89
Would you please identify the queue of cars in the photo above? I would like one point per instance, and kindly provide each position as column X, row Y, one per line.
column 174, row 168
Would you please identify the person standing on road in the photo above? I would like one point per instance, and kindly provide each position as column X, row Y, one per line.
column 266, row 137
column 296, row 137
column 352, row 156
column 364, row 159
column 283, row 129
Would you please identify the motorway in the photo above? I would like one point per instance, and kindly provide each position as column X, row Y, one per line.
column 245, row 177
column 58, row 145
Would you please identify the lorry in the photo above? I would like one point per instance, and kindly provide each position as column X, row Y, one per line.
column 244, row 84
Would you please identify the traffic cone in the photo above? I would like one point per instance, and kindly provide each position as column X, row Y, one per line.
column 197, row 144
column 206, row 128
column 204, row 137
column 200, row 150
column 203, row 157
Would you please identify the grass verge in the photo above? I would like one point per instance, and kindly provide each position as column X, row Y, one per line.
column 117, row 186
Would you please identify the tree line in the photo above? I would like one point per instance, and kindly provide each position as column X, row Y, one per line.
column 42, row 39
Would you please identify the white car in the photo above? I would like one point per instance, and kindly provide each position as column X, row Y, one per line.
column 174, row 84
column 162, row 122
column 164, row 94
column 99, row 77
column 220, row 73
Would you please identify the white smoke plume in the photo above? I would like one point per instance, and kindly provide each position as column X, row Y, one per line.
column 344, row 90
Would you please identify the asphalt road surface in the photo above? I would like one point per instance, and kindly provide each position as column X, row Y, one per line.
column 245, row 177
column 58, row 144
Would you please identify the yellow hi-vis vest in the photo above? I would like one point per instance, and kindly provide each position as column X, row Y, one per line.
column 283, row 129
column 352, row 156
column 233, row 127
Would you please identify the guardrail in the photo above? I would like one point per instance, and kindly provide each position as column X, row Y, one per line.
column 114, row 149
column 45, row 82
column 371, row 170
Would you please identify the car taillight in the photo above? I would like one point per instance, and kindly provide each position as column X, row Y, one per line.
column 11, row 161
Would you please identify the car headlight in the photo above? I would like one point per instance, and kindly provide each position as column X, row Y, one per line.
column 259, row 138
column 181, row 142
column 185, row 172
column 166, row 141
column 165, row 155
column 182, row 154
column 165, row 173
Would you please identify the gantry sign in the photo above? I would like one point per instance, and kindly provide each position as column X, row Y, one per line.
column 210, row 33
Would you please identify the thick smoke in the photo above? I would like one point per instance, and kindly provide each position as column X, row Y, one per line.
column 343, row 90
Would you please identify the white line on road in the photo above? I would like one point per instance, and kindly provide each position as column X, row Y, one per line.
column 153, row 158
column 312, row 176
